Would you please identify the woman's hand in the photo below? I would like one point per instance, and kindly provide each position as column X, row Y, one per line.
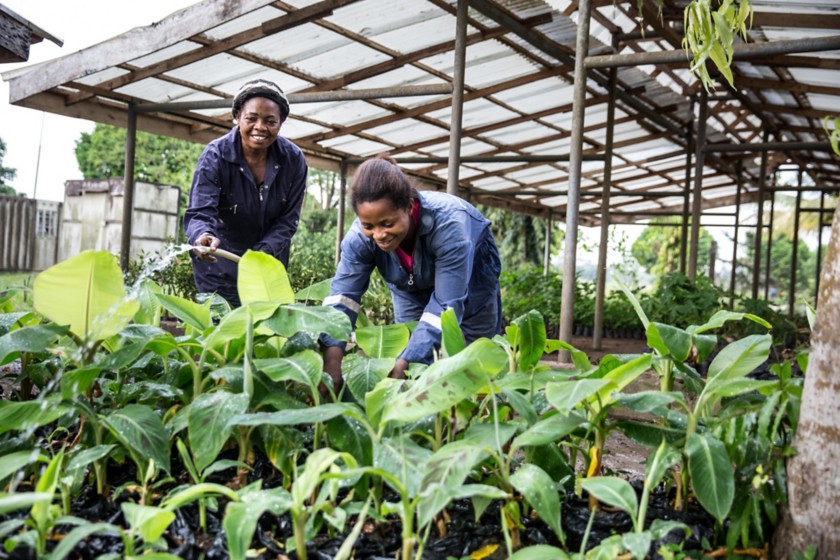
column 205, row 244
column 333, row 356
column 399, row 369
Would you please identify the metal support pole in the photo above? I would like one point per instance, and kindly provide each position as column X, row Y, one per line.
column 762, row 178
column 739, row 185
column 697, row 197
column 342, row 202
column 576, row 152
column 712, row 259
column 601, row 272
column 769, row 258
column 547, row 254
column 818, row 264
column 794, row 261
column 128, row 188
column 689, row 140
column 457, row 98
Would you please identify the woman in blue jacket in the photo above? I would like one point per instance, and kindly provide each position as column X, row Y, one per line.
column 434, row 250
column 247, row 190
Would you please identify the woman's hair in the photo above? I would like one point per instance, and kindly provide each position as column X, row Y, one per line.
column 260, row 88
column 379, row 178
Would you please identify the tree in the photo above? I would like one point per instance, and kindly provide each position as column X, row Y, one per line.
column 813, row 480
column 158, row 159
column 658, row 248
column 520, row 238
column 781, row 260
column 6, row 173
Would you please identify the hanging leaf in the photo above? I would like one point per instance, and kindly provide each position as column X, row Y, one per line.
column 711, row 474
column 263, row 278
column 447, row 382
column 383, row 341
column 531, row 340
column 290, row 319
column 189, row 312
column 28, row 339
column 304, row 368
column 87, row 293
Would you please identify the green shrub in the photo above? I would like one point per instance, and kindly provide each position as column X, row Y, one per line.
column 172, row 272
column 526, row 289
column 679, row 302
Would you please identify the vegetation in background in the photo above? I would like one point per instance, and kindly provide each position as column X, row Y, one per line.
column 158, row 159
column 781, row 260
column 519, row 237
column 6, row 173
column 657, row 248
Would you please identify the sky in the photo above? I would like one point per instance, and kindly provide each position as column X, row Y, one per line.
column 39, row 145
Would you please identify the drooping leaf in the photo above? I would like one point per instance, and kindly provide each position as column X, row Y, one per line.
column 87, row 293
column 549, row 430
column 538, row 488
column 289, row 319
column 311, row 415
column 24, row 415
column 234, row 324
column 613, row 491
column 711, row 474
column 28, row 339
column 383, row 341
column 241, row 518
column 149, row 522
column 566, row 395
column 362, row 374
column 668, row 340
column 149, row 311
column 209, row 424
column 739, row 358
column 13, row 462
column 263, row 278
column 447, row 382
column 142, row 433
column 452, row 338
column 532, row 339
column 304, row 368
column 350, row 436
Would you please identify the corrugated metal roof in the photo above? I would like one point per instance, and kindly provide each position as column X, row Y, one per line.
column 518, row 90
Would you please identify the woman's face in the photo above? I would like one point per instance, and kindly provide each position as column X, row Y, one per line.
column 259, row 123
column 386, row 225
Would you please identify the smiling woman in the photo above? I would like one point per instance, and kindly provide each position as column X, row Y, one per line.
column 247, row 190
column 434, row 250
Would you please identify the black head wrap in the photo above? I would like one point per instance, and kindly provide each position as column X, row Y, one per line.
column 261, row 88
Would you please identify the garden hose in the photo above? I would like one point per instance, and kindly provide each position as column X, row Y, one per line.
column 217, row 253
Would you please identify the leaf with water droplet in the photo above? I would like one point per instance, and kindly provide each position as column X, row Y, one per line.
column 28, row 339
column 142, row 433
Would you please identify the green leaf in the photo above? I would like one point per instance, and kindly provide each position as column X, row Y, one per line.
column 311, row 415
column 720, row 318
column 13, row 462
column 234, row 324
column 445, row 473
column 189, row 312
column 654, row 402
column 26, row 415
column 350, row 436
column 150, row 309
column 78, row 381
column 711, row 474
column 304, row 368
column 241, row 518
column 142, row 433
column 289, row 319
column 540, row 552
column 638, row 544
column 149, row 522
column 738, row 386
column 404, row 461
column 613, row 491
column 658, row 463
column 549, row 430
column 28, row 339
column 383, row 341
column 22, row 500
column 318, row 462
column 362, row 374
column 538, row 488
column 668, row 340
column 209, row 419
column 315, row 292
column 452, row 338
column 566, row 395
column 80, row 459
column 447, row 382
column 263, row 278
column 78, row 534
column 739, row 358
column 531, row 341
column 87, row 293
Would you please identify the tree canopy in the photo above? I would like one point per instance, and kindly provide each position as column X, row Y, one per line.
column 6, row 173
column 658, row 247
column 158, row 159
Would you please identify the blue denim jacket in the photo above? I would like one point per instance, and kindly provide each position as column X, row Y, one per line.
column 456, row 265
column 225, row 201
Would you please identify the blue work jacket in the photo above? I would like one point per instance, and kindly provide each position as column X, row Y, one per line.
column 226, row 202
column 456, row 265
